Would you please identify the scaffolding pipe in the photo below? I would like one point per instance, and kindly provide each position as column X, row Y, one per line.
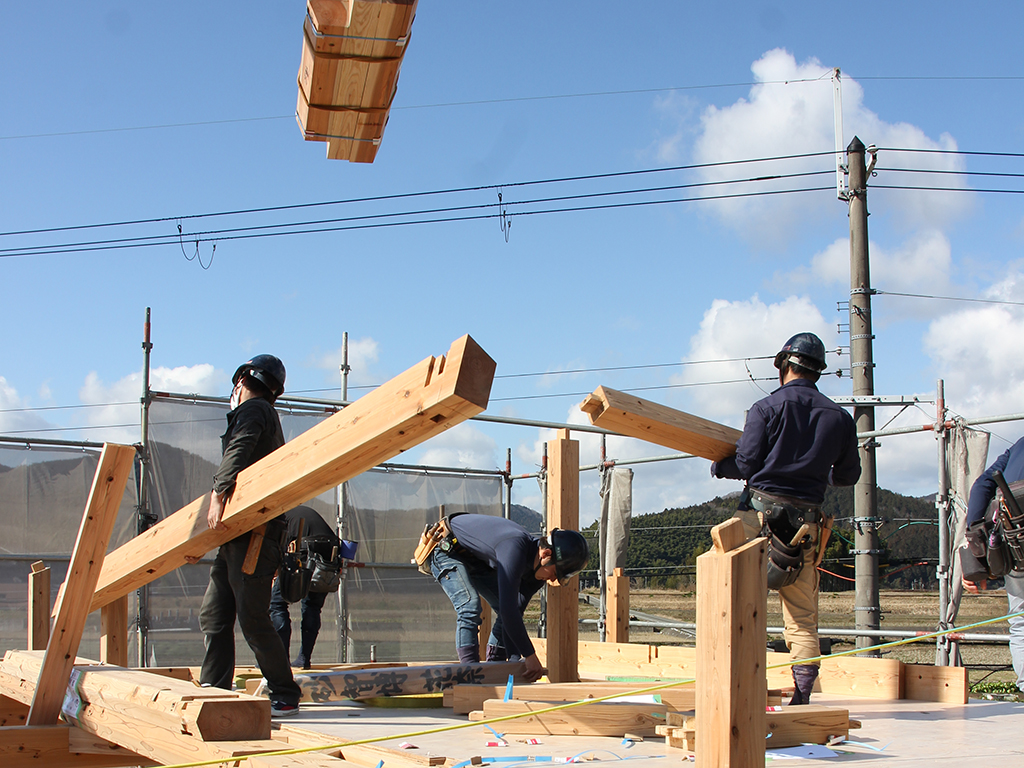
column 942, row 644
column 144, row 517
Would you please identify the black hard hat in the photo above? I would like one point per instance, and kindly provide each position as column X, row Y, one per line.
column 807, row 350
column 570, row 552
column 266, row 369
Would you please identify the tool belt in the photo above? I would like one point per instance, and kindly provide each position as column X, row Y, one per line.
column 435, row 535
column 995, row 544
column 786, row 524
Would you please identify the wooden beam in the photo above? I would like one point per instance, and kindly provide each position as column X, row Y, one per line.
column 38, row 606
column 114, row 632
column 602, row 719
column 402, row 681
column 486, row 620
column 369, row 755
column 463, row 699
column 427, row 399
column 617, row 608
column 115, row 464
column 788, row 727
column 924, row 682
column 732, row 597
column 50, row 745
column 563, row 495
column 645, row 420
column 12, row 711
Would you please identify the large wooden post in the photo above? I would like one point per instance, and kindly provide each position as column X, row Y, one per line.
column 486, row 621
column 563, row 602
column 617, row 608
column 114, row 632
column 732, row 596
column 38, row 606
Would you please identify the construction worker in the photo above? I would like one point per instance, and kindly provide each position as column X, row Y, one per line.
column 1011, row 464
column 254, row 431
column 317, row 534
column 795, row 443
column 498, row 560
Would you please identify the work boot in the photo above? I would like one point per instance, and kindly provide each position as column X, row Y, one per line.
column 301, row 662
column 469, row 654
column 496, row 653
column 804, row 676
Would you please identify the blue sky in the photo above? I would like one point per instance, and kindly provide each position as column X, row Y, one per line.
column 111, row 112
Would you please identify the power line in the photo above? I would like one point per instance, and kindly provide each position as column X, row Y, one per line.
column 638, row 389
column 426, row 193
column 170, row 240
column 950, row 298
column 633, row 367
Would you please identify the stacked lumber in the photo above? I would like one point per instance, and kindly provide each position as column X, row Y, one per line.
column 788, row 727
column 352, row 52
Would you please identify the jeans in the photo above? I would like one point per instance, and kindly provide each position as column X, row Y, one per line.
column 465, row 580
column 232, row 594
column 312, row 604
column 1014, row 582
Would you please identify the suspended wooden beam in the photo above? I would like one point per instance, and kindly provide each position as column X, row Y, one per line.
column 427, row 399
column 635, row 417
column 115, row 464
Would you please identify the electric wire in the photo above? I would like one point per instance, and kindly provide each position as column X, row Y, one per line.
column 950, row 298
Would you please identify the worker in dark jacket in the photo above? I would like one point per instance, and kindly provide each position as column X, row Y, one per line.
column 498, row 560
column 254, row 431
column 794, row 444
column 317, row 534
column 1011, row 464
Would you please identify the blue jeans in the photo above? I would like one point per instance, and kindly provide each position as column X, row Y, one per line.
column 1014, row 582
column 466, row 580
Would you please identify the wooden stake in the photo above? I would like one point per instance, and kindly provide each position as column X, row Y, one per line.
column 732, row 596
column 617, row 608
column 427, row 399
column 563, row 492
column 86, row 560
column 38, row 606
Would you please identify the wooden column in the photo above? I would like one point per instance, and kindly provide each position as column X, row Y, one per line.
column 38, row 606
column 83, row 572
column 486, row 620
column 114, row 632
column 732, row 595
column 563, row 602
column 617, row 608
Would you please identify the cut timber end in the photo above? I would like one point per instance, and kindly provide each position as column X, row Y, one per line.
column 476, row 371
column 645, row 420
column 330, row 17
column 728, row 535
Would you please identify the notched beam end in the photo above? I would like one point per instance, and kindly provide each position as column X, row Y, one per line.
column 475, row 371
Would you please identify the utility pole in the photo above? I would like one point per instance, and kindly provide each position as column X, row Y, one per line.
column 865, row 492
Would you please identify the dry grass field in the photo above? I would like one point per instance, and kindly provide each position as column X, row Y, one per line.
column 900, row 610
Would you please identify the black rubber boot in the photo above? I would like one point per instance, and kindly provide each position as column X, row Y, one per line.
column 804, row 676
column 496, row 653
column 469, row 654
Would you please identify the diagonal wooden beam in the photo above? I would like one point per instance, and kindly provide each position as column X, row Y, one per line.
column 633, row 416
column 427, row 399
column 83, row 572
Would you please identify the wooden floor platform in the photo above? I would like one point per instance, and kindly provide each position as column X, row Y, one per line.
column 980, row 734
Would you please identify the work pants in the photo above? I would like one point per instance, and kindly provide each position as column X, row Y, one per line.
column 1014, row 582
column 799, row 599
column 232, row 594
column 466, row 581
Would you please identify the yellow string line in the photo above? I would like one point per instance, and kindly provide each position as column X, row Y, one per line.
column 649, row 689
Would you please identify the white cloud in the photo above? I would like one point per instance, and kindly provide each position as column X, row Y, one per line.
column 790, row 112
column 462, row 446
column 117, row 406
column 362, row 355
column 732, row 330
column 979, row 352
column 14, row 416
column 922, row 264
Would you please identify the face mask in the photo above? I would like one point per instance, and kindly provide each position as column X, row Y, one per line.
column 236, row 395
